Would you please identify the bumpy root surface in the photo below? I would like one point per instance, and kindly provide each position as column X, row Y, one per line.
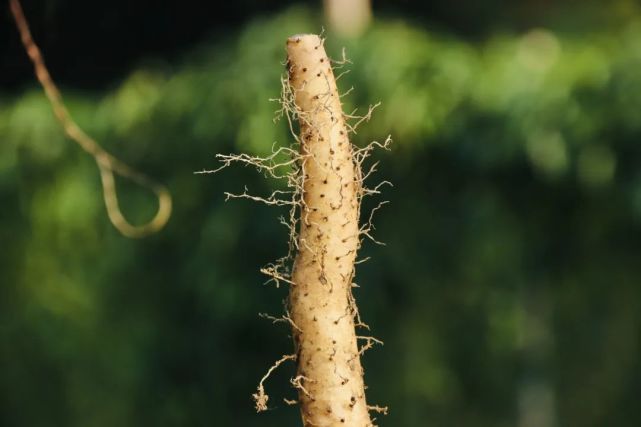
column 320, row 301
column 325, row 182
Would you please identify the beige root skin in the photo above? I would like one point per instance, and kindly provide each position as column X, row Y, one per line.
column 330, row 376
column 324, row 189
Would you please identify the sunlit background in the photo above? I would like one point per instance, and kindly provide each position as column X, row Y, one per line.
column 509, row 291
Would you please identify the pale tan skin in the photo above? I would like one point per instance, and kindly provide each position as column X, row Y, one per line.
column 329, row 376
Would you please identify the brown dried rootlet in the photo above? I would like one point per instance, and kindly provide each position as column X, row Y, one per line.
column 325, row 182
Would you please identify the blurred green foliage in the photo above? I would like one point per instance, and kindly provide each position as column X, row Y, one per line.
column 508, row 293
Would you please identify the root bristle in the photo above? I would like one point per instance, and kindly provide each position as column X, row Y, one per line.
column 260, row 397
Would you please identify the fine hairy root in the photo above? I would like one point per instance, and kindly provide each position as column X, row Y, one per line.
column 325, row 184
column 260, row 397
column 107, row 164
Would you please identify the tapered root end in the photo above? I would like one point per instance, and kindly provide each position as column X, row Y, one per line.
column 307, row 59
column 304, row 39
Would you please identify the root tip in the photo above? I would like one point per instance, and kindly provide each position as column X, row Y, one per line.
column 297, row 38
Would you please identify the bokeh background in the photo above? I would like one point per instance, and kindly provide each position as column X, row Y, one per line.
column 509, row 290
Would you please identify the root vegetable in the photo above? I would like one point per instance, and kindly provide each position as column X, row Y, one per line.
column 324, row 192
column 329, row 376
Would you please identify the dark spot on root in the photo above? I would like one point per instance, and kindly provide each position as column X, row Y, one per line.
column 322, row 59
column 304, row 70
